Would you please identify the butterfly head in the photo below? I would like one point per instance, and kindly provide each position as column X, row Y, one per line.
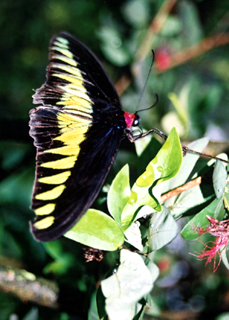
column 131, row 119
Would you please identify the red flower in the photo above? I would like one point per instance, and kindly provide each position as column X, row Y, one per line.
column 162, row 59
column 219, row 229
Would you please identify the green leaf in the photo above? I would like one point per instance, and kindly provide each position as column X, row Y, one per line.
column 63, row 260
column 171, row 27
column 54, row 249
column 164, row 166
column 97, row 230
column 226, row 196
column 12, row 154
column 163, row 229
column 31, row 315
column 179, row 107
column 141, row 305
column 139, row 197
column 141, row 144
column 101, row 301
column 189, row 162
column 129, row 284
column 215, row 210
column 93, row 311
column 153, row 268
column 133, row 235
column 225, row 258
column 119, row 56
column 191, row 23
column 119, row 194
column 146, row 150
column 223, row 316
column 136, row 12
column 59, row 266
column 189, row 198
column 219, row 178
column 112, row 45
column 9, row 188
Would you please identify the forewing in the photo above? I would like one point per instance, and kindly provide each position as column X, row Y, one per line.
column 76, row 134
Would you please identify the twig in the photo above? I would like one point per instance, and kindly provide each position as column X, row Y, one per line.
column 122, row 84
column 27, row 287
column 179, row 315
column 197, row 50
column 181, row 189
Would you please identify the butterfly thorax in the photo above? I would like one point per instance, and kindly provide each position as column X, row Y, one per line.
column 109, row 116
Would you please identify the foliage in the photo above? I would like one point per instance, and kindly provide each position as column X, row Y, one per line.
column 192, row 86
column 99, row 231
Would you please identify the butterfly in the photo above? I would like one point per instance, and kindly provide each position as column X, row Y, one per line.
column 77, row 130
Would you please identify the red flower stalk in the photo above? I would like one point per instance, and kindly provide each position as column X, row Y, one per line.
column 220, row 230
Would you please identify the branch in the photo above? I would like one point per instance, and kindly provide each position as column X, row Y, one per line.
column 27, row 287
column 147, row 43
column 196, row 50
column 178, row 190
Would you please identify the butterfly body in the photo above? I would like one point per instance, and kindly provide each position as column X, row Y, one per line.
column 77, row 130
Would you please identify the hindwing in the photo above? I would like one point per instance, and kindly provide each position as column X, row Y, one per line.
column 77, row 130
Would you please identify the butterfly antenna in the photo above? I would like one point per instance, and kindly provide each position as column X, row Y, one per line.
column 147, row 78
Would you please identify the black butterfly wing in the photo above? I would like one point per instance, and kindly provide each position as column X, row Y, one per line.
column 77, row 132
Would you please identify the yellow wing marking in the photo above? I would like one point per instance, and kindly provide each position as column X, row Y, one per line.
column 70, row 91
column 65, row 163
column 46, row 209
column 72, row 130
column 73, row 80
column 72, row 133
column 51, row 194
column 76, row 103
column 75, row 112
column 75, row 94
column 44, row 223
column 73, row 70
column 62, row 42
column 64, row 51
column 67, row 121
column 65, row 151
column 56, row 179
column 72, row 137
column 65, row 59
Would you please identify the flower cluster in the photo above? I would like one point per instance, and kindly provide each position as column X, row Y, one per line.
column 220, row 230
